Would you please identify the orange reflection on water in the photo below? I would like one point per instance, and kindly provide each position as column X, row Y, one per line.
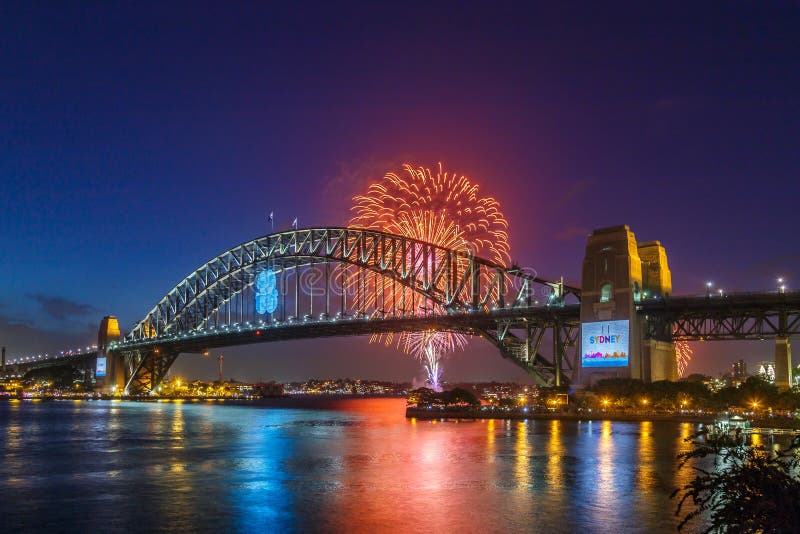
column 605, row 483
column 177, row 425
column 683, row 475
column 522, row 469
column 490, row 435
column 646, row 476
column 555, row 450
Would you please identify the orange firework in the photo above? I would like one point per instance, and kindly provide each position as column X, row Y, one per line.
column 683, row 354
column 443, row 209
column 396, row 203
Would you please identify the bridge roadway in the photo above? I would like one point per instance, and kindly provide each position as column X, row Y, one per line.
column 736, row 316
column 472, row 324
column 733, row 316
column 370, row 282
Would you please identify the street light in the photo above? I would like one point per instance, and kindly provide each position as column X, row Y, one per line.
column 781, row 285
column 708, row 288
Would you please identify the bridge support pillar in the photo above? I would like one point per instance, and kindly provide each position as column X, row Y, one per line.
column 662, row 359
column 618, row 272
column 783, row 363
column 109, row 367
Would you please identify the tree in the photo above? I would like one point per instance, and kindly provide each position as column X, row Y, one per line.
column 421, row 397
column 460, row 396
column 748, row 489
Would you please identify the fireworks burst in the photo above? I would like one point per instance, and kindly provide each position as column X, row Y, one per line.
column 683, row 353
column 444, row 209
column 428, row 347
column 395, row 203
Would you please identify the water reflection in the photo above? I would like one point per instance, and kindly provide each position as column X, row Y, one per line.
column 605, row 467
column 522, row 452
column 354, row 465
column 555, row 463
column 646, row 473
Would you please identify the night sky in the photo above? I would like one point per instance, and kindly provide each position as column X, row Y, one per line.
column 139, row 140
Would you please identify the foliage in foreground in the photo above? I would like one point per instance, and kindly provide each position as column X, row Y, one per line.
column 748, row 488
column 627, row 392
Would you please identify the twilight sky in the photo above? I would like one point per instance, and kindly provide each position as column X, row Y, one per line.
column 139, row 140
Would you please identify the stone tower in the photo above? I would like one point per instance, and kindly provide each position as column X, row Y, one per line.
column 617, row 273
column 110, row 376
column 657, row 282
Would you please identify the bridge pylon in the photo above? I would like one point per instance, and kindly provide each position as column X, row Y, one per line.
column 109, row 368
column 617, row 273
column 783, row 363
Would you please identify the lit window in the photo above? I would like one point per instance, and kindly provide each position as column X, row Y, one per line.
column 605, row 293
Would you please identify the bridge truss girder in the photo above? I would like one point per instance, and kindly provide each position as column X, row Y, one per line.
column 357, row 273
column 524, row 341
column 545, row 331
column 145, row 369
column 732, row 317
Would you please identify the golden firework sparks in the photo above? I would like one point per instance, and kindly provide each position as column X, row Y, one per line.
column 442, row 208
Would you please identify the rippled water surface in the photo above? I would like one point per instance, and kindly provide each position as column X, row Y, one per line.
column 348, row 465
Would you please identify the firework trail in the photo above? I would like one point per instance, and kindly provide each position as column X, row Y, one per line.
column 683, row 353
column 444, row 209
column 429, row 346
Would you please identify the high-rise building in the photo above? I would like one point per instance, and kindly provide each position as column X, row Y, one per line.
column 739, row 369
column 766, row 370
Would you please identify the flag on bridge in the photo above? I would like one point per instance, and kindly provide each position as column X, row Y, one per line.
column 294, row 223
column 271, row 216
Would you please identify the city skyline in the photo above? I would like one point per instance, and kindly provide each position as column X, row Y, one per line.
column 132, row 157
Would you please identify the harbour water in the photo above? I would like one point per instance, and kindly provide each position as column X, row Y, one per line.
column 340, row 466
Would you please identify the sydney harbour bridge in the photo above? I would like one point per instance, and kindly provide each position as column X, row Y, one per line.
column 323, row 282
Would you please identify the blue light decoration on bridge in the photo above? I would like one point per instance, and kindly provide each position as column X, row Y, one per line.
column 266, row 292
column 605, row 344
column 100, row 369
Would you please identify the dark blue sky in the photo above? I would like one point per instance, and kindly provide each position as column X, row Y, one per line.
column 139, row 140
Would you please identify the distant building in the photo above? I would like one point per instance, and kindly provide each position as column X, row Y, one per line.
column 739, row 369
column 766, row 370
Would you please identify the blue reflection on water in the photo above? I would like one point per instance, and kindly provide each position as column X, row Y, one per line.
column 354, row 465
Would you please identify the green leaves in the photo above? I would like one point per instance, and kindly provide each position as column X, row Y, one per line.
column 740, row 487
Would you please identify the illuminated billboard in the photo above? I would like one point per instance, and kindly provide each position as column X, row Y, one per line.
column 605, row 344
column 100, row 370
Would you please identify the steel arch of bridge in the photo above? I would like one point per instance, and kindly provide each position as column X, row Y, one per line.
column 440, row 288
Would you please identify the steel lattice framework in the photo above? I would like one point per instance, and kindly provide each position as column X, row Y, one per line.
column 333, row 281
column 733, row 316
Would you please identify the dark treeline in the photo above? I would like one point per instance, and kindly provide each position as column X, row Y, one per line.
column 453, row 397
column 753, row 394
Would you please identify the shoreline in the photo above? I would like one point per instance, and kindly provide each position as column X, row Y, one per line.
column 434, row 414
column 423, row 414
